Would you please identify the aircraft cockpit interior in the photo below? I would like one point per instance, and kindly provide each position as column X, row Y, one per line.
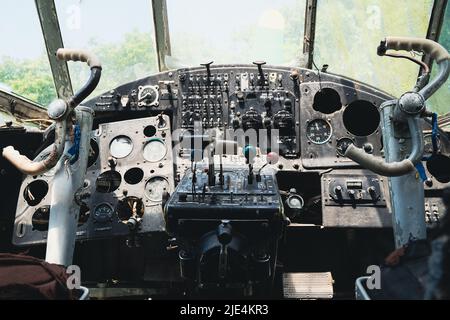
column 168, row 149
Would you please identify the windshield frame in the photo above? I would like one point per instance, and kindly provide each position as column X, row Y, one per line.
column 53, row 38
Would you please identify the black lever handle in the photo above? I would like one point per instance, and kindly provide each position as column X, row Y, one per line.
column 208, row 67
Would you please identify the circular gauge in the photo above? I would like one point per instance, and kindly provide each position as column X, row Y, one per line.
column 103, row 213
column 319, row 131
column 154, row 150
column 120, row 147
column 295, row 202
column 342, row 145
column 428, row 143
column 155, row 187
column 148, row 95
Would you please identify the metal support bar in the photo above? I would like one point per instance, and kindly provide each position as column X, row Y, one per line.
column 407, row 194
column 161, row 24
column 310, row 32
column 435, row 26
column 53, row 41
column 64, row 211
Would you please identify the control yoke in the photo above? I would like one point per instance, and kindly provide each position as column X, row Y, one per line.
column 408, row 108
column 59, row 111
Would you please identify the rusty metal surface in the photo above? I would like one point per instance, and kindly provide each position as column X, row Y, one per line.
column 53, row 41
column 20, row 110
column 162, row 36
column 310, row 31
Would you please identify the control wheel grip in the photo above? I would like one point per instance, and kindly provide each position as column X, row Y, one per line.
column 22, row 162
column 79, row 55
column 434, row 49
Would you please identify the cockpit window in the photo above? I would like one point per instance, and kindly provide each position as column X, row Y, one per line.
column 440, row 101
column 349, row 31
column 235, row 31
column 24, row 66
column 121, row 33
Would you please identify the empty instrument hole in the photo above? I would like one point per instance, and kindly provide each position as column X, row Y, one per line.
column 327, row 101
column 149, row 131
column 108, row 181
column 35, row 192
column 439, row 167
column 93, row 152
column 129, row 207
column 361, row 118
column 133, row 175
column 40, row 218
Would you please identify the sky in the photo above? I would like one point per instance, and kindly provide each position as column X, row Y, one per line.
column 20, row 30
column 81, row 20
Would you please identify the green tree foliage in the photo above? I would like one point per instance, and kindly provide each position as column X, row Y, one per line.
column 30, row 78
column 133, row 58
column 440, row 101
column 347, row 34
column 128, row 60
column 349, row 31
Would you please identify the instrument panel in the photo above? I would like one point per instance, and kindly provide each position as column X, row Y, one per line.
column 130, row 168
column 309, row 117
column 338, row 115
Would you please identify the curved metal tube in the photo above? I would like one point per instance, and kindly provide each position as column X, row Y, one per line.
column 436, row 51
column 29, row 167
column 438, row 81
column 391, row 169
column 63, row 111
column 379, row 166
column 87, row 89
column 416, row 140
column 399, row 168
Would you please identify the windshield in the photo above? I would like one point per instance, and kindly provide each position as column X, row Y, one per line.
column 349, row 31
column 24, row 66
column 235, row 31
column 440, row 101
column 122, row 34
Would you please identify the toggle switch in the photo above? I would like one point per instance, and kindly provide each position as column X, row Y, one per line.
column 260, row 70
column 373, row 192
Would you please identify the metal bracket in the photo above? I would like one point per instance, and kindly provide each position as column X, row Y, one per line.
column 310, row 31
column 435, row 26
column 161, row 23
column 53, row 41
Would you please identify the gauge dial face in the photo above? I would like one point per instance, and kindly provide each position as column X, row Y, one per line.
column 103, row 213
column 342, row 145
column 319, row 131
column 154, row 150
column 155, row 187
column 147, row 95
column 120, row 147
column 295, row 202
